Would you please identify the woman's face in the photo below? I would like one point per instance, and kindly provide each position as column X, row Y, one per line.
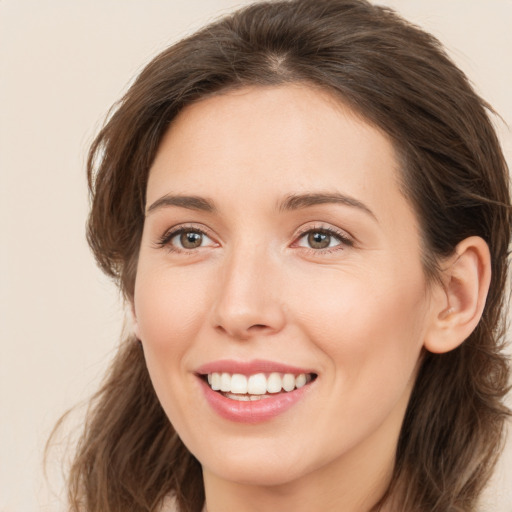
column 278, row 251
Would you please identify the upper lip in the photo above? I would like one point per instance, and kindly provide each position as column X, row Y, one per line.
column 249, row 367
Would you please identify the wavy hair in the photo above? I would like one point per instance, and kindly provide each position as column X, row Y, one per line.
column 453, row 172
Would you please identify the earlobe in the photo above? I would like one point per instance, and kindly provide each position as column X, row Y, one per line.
column 458, row 306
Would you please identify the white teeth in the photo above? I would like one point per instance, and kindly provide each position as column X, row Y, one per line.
column 215, row 384
column 225, row 382
column 288, row 382
column 274, row 383
column 239, row 384
column 300, row 380
column 255, row 386
column 240, row 398
column 258, row 397
column 246, row 398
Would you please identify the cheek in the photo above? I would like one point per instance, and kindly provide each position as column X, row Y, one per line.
column 371, row 333
column 170, row 306
column 371, row 327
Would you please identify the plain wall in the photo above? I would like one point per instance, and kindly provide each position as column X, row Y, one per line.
column 62, row 65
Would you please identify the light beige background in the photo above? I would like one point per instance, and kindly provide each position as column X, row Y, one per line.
column 62, row 64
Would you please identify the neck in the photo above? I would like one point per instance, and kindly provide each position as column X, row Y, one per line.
column 294, row 497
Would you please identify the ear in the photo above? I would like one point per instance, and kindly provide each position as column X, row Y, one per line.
column 133, row 320
column 459, row 302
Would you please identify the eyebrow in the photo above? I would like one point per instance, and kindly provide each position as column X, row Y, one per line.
column 189, row 202
column 291, row 202
column 300, row 201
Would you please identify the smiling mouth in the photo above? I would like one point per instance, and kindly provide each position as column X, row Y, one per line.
column 258, row 386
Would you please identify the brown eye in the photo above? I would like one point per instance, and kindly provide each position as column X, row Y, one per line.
column 191, row 239
column 185, row 239
column 319, row 240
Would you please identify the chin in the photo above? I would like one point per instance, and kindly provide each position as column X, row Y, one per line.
column 256, row 468
column 258, row 475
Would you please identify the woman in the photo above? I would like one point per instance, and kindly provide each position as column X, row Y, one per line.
column 307, row 208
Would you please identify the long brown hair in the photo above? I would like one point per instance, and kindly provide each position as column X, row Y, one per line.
column 454, row 174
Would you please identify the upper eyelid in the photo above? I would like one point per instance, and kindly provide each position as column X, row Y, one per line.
column 187, row 226
column 170, row 233
column 329, row 228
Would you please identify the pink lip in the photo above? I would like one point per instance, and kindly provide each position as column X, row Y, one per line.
column 249, row 367
column 253, row 411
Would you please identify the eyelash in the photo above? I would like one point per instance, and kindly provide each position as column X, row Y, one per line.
column 343, row 239
column 165, row 239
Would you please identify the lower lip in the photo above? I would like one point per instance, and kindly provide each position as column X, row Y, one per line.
column 255, row 411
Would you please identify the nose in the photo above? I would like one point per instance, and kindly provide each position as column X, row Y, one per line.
column 249, row 302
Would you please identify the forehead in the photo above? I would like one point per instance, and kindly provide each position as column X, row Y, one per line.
column 260, row 142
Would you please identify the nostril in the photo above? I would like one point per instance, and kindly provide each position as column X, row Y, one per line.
column 244, row 333
column 258, row 327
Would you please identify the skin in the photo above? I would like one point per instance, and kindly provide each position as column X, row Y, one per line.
column 357, row 313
